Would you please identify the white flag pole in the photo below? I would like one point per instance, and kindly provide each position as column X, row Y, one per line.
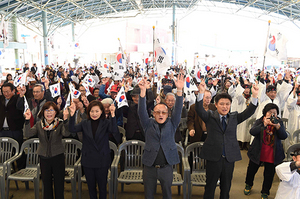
column 269, row 22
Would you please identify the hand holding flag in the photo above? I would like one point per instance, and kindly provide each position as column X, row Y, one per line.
column 121, row 98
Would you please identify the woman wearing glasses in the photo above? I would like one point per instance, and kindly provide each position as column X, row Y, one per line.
column 50, row 131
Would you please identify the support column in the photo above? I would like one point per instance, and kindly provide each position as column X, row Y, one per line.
column 15, row 35
column 73, row 32
column 173, row 36
column 45, row 37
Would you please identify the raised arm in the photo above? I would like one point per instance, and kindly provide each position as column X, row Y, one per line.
column 72, row 127
column 29, row 132
column 176, row 114
column 142, row 108
column 203, row 114
column 113, row 127
column 251, row 108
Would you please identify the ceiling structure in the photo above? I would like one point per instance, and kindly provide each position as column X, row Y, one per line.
column 61, row 13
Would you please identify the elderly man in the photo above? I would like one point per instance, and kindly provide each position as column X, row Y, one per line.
column 134, row 130
column 41, row 95
column 160, row 147
column 170, row 102
column 196, row 126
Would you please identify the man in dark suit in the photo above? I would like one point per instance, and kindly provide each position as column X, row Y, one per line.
column 160, row 148
column 221, row 148
column 11, row 117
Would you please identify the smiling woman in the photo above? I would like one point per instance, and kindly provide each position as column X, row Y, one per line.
column 50, row 131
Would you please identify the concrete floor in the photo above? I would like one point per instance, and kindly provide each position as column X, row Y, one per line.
column 135, row 191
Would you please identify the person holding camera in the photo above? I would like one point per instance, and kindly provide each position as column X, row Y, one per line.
column 266, row 148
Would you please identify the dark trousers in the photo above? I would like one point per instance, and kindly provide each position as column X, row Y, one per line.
column 150, row 177
column 54, row 166
column 18, row 136
column 269, row 173
column 214, row 170
column 96, row 176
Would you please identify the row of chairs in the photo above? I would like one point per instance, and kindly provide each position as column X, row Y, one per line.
column 132, row 173
column 182, row 175
column 9, row 152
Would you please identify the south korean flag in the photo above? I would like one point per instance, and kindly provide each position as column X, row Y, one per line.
column 121, row 98
column 55, row 90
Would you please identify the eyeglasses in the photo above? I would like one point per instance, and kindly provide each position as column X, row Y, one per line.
column 160, row 112
column 49, row 110
column 170, row 100
column 36, row 92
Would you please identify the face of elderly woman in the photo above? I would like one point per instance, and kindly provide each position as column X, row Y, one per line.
column 106, row 108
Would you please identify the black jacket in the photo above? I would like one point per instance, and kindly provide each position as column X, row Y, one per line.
column 14, row 115
column 257, row 131
column 95, row 152
column 217, row 137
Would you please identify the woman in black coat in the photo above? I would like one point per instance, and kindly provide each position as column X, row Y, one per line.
column 266, row 148
column 96, row 157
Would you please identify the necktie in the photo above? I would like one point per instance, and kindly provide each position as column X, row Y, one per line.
column 224, row 123
column 224, row 127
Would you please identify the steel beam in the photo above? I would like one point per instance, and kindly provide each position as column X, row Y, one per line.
column 45, row 37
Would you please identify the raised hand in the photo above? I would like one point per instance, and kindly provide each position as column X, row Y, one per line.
column 66, row 114
column 86, row 102
column 112, row 110
column 104, row 80
column 27, row 114
column 72, row 109
column 21, row 90
column 157, row 99
column 202, row 87
column 255, row 90
column 180, row 82
column 215, row 82
column 143, row 84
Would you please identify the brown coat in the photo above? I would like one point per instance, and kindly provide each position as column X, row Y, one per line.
column 194, row 122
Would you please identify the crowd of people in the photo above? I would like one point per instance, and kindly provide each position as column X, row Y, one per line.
column 217, row 101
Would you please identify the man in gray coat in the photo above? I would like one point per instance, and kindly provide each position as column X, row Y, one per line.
column 221, row 148
column 160, row 148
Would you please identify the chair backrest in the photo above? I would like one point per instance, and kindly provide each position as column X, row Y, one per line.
column 296, row 136
column 72, row 151
column 290, row 150
column 285, row 122
column 123, row 132
column 124, row 121
column 181, row 153
column 183, row 124
column 32, row 157
column 133, row 151
column 198, row 163
column 8, row 148
column 250, row 123
column 113, row 147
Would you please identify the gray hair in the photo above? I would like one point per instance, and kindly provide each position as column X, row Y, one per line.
column 170, row 94
column 107, row 101
column 39, row 85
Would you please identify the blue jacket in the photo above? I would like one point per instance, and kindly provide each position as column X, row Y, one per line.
column 156, row 138
column 257, row 131
column 95, row 152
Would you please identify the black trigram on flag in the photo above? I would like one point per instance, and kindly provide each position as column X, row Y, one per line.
column 160, row 59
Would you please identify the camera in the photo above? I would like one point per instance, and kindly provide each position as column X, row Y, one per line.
column 274, row 119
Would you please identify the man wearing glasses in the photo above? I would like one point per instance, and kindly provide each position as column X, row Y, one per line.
column 160, row 148
column 40, row 97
